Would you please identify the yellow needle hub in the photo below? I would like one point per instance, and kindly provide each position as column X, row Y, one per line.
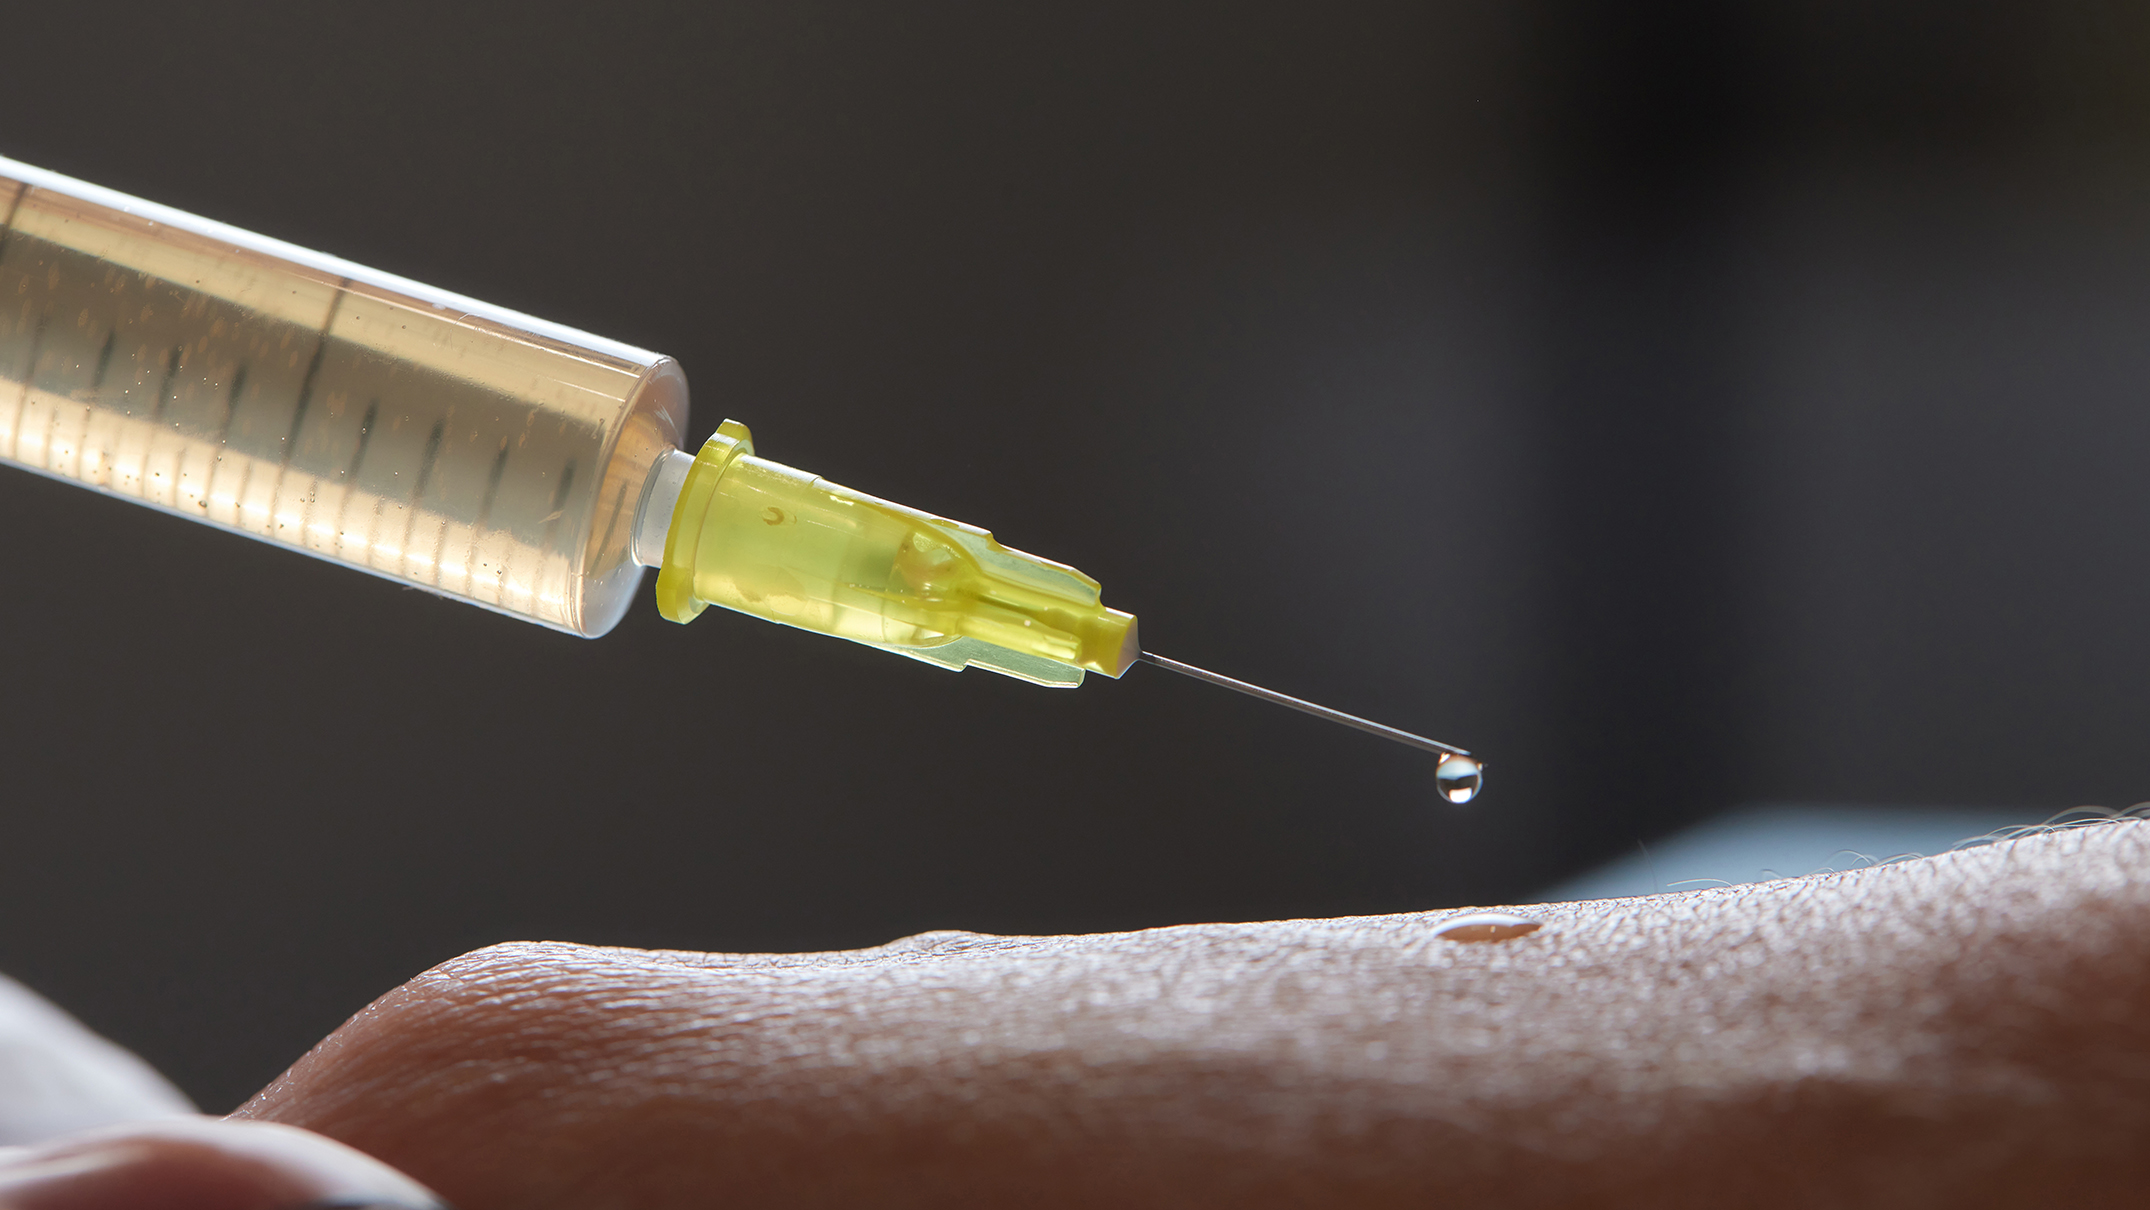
column 763, row 539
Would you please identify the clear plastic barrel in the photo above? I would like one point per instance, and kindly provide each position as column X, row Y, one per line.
column 313, row 403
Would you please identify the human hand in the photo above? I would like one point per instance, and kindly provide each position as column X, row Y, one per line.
column 1961, row 1031
column 85, row 1125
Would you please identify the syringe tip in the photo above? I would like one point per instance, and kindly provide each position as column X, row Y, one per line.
column 1459, row 776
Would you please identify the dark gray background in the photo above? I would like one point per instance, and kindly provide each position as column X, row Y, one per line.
column 1680, row 404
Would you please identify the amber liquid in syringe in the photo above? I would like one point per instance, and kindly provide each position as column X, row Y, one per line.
column 348, row 421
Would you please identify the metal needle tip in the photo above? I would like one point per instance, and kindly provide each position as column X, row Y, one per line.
column 1282, row 699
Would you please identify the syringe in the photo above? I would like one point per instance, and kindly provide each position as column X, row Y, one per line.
column 482, row 454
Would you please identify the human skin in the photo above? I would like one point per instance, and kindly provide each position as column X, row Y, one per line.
column 1964, row 1031
column 194, row 1163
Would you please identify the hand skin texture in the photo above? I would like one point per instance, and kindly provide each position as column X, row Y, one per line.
column 1965, row 1031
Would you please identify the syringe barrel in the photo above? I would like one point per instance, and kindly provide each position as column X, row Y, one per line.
column 346, row 413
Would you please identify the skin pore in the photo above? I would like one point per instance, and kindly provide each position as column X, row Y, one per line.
column 1961, row 1031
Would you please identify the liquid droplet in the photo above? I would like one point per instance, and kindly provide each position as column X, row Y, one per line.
column 1458, row 778
column 1487, row 926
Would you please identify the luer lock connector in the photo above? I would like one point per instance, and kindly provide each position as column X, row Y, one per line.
column 764, row 539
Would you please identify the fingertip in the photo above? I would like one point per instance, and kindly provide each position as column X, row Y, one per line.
column 203, row 1164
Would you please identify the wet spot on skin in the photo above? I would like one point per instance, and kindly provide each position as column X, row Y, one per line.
column 1486, row 926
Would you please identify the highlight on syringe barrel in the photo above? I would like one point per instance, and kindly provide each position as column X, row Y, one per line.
column 336, row 410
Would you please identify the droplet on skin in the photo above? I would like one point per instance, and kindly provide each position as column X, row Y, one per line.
column 1458, row 778
column 1487, row 926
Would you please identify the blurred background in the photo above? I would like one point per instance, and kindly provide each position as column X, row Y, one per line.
column 1683, row 405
